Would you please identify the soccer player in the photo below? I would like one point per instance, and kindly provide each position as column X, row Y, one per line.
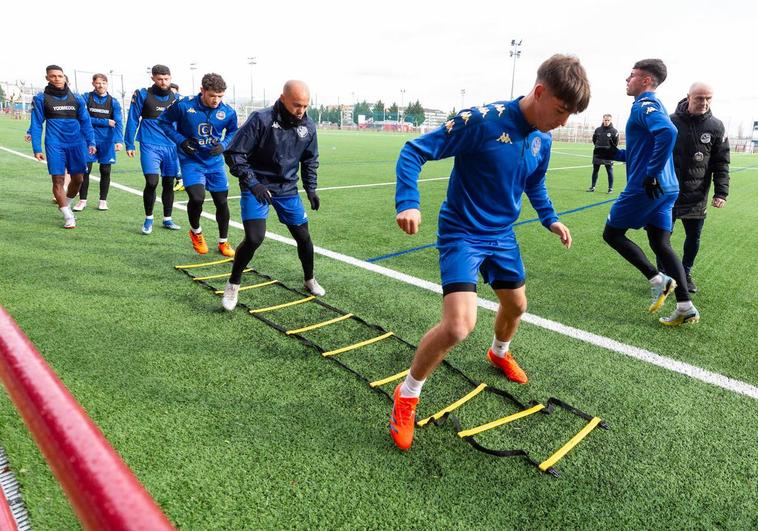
column 501, row 151
column 265, row 155
column 68, row 138
column 650, row 193
column 701, row 155
column 205, row 126
column 157, row 152
column 606, row 139
column 108, row 122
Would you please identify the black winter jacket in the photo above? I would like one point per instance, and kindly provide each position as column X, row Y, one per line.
column 606, row 140
column 270, row 147
column 701, row 155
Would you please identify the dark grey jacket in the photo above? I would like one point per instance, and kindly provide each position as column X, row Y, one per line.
column 701, row 155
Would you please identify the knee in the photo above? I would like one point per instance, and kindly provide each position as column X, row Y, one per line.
column 514, row 309
column 608, row 236
column 458, row 329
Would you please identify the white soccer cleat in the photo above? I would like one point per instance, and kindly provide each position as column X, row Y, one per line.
column 229, row 300
column 81, row 205
column 70, row 223
column 314, row 288
column 102, row 205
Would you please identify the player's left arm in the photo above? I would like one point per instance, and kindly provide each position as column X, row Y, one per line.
column 118, row 117
column 719, row 168
column 309, row 165
column 536, row 191
column 85, row 123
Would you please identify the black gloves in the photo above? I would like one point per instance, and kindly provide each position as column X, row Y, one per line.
column 314, row 200
column 218, row 149
column 190, row 146
column 261, row 193
column 653, row 187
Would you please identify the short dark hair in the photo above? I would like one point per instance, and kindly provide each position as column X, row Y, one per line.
column 52, row 67
column 565, row 76
column 655, row 68
column 100, row 76
column 161, row 70
column 213, row 82
column 173, row 86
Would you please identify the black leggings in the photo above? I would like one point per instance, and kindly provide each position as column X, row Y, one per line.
column 608, row 169
column 255, row 232
column 167, row 194
column 660, row 243
column 105, row 182
column 196, row 194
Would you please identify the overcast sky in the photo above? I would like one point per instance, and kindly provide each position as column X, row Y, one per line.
column 350, row 51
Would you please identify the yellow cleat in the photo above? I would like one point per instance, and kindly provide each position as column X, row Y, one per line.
column 659, row 293
column 690, row 316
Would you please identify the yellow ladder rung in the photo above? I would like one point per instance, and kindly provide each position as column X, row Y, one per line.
column 204, row 264
column 455, row 405
column 357, row 345
column 389, row 379
column 286, row 304
column 319, row 325
column 500, row 422
column 252, row 286
column 221, row 275
column 550, row 461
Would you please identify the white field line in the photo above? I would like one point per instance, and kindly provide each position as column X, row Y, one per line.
column 680, row 367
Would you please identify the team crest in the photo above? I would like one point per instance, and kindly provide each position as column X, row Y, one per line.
column 499, row 107
column 608, row 135
column 276, row 125
column 483, row 110
column 449, row 126
column 466, row 115
column 220, row 115
column 536, row 145
column 705, row 138
column 302, row 131
column 699, row 156
column 505, row 138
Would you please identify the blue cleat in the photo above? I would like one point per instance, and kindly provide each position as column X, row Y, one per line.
column 147, row 227
column 660, row 292
column 680, row 317
column 169, row 224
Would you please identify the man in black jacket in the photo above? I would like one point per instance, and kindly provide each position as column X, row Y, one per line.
column 265, row 156
column 701, row 155
column 606, row 140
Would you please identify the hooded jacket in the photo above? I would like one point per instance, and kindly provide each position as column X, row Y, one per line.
column 701, row 155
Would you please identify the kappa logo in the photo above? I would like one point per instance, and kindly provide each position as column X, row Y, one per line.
column 499, row 107
column 191, row 110
column 536, row 145
column 449, row 126
column 302, row 131
column 650, row 109
column 505, row 138
column 705, row 138
column 465, row 115
column 646, row 102
column 483, row 110
column 220, row 115
column 276, row 125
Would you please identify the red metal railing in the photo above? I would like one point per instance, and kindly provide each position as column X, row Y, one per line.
column 104, row 493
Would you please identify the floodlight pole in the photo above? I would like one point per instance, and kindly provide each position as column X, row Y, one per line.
column 251, row 61
column 463, row 93
column 193, row 67
column 402, row 99
column 515, row 53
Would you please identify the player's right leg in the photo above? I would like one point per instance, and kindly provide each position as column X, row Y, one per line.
column 196, row 198
column 151, row 168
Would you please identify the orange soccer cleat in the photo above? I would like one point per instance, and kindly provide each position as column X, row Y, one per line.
column 198, row 242
column 403, row 420
column 509, row 366
column 225, row 249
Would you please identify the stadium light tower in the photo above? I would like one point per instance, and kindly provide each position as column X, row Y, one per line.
column 463, row 94
column 123, row 93
column 515, row 53
column 193, row 67
column 252, row 62
column 402, row 98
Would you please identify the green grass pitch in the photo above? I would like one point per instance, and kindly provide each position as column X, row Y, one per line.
column 232, row 425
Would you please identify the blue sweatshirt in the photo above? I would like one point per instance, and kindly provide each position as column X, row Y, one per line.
column 650, row 140
column 149, row 130
column 206, row 125
column 498, row 157
column 104, row 133
column 60, row 131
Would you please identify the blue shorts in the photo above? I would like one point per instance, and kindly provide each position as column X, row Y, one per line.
column 289, row 209
column 158, row 160
column 498, row 261
column 61, row 158
column 634, row 210
column 214, row 179
column 106, row 154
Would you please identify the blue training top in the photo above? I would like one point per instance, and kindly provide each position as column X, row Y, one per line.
column 498, row 157
column 60, row 131
column 104, row 133
column 650, row 140
column 208, row 126
column 146, row 119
